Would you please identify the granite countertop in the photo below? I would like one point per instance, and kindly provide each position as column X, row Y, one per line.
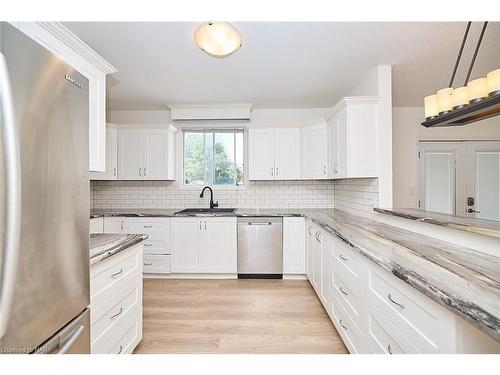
column 465, row 281
column 468, row 224
column 102, row 246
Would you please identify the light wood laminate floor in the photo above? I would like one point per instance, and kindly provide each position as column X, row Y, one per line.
column 235, row 316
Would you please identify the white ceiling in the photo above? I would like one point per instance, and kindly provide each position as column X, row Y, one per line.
column 281, row 64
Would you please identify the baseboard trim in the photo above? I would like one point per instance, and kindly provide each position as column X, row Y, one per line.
column 209, row 276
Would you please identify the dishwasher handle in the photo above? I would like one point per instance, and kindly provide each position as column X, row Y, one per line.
column 250, row 223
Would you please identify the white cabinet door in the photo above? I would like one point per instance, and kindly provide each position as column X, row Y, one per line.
column 185, row 245
column 261, row 154
column 287, row 154
column 314, row 153
column 337, row 145
column 326, row 269
column 316, row 264
column 130, row 150
column 97, row 225
column 218, row 245
column 294, row 243
column 116, row 225
column 155, row 154
column 111, row 157
column 309, row 233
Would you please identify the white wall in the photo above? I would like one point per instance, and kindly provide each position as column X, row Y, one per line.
column 406, row 134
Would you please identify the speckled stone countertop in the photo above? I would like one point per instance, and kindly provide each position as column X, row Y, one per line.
column 468, row 224
column 102, row 246
column 465, row 281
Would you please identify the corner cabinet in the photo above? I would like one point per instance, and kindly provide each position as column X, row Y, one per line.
column 351, row 138
column 204, row 245
column 62, row 42
column 273, row 153
column 314, row 151
column 146, row 153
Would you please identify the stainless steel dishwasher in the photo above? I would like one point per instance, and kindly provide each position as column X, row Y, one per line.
column 260, row 248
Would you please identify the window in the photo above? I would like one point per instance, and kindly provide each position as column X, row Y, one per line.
column 213, row 157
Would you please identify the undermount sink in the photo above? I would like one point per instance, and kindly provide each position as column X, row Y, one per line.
column 207, row 211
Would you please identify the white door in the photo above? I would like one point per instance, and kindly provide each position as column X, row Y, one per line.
column 287, row 154
column 316, row 272
column 309, row 250
column 185, row 245
column 218, row 245
column 483, row 180
column 155, row 154
column 111, row 157
column 261, row 154
column 294, row 244
column 441, row 182
column 326, row 265
column 314, row 153
column 337, row 145
column 130, row 149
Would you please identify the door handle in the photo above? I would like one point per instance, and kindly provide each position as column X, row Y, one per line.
column 148, row 244
column 470, row 210
column 200, row 225
column 259, row 223
column 121, row 225
column 117, row 273
column 140, row 171
column 276, row 171
column 272, row 171
column 114, row 171
column 71, row 340
column 12, row 204
column 205, row 225
column 118, row 313
column 144, row 171
column 148, row 264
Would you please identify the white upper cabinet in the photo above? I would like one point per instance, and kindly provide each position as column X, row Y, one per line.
column 314, row 151
column 351, row 138
column 62, row 42
column 146, row 154
column 274, row 154
column 111, row 172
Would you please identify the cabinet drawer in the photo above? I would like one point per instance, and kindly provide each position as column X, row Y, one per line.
column 129, row 340
column 348, row 260
column 350, row 333
column 106, row 315
column 116, row 225
column 156, row 264
column 383, row 337
column 348, row 298
column 150, row 226
column 424, row 323
column 110, row 275
column 156, row 246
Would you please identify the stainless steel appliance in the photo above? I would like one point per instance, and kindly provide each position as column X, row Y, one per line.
column 260, row 247
column 44, row 195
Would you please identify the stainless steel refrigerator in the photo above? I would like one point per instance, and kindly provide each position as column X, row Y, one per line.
column 44, row 200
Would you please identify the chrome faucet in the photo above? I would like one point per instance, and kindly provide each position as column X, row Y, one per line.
column 212, row 203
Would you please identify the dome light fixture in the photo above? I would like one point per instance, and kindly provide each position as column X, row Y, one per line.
column 218, row 39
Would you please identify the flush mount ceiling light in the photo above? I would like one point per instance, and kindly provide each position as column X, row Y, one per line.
column 218, row 39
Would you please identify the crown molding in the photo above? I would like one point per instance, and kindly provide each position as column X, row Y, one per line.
column 63, row 34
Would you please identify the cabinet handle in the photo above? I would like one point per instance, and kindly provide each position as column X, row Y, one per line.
column 389, row 348
column 205, row 225
column 148, row 264
column 324, row 169
column 117, row 273
column 277, row 171
column 318, row 236
column 343, row 258
column 343, row 326
column 309, row 231
column 342, row 291
column 121, row 348
column 121, row 225
column 148, row 226
column 140, row 171
column 118, row 313
column 148, row 244
column 114, row 171
column 394, row 302
column 200, row 225
column 144, row 171
column 272, row 171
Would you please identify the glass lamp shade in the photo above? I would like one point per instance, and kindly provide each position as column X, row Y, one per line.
column 460, row 97
column 477, row 89
column 218, row 39
column 493, row 79
column 431, row 107
column 444, row 100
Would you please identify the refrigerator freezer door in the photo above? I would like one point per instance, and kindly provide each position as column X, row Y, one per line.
column 51, row 277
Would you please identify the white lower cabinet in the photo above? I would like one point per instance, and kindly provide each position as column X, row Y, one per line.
column 294, row 254
column 376, row 312
column 116, row 303
column 204, row 245
column 96, row 225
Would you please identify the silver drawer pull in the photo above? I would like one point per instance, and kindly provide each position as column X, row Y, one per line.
column 389, row 348
column 148, row 226
column 121, row 225
column 148, row 264
column 343, row 326
column 148, row 244
column 342, row 291
column 116, row 274
column 118, row 313
column 343, row 257
column 121, row 348
column 394, row 302
column 309, row 231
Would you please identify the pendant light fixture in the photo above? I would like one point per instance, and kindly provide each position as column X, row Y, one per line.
column 475, row 100
column 218, row 39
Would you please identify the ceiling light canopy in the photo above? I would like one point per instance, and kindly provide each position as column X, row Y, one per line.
column 218, row 39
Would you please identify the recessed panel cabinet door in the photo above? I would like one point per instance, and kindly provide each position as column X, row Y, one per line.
column 218, row 245
column 155, row 154
column 261, row 154
column 111, row 157
column 309, row 250
column 314, row 153
column 130, row 145
column 287, row 154
column 185, row 245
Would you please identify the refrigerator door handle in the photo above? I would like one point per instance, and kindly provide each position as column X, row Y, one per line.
column 68, row 344
column 12, row 204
